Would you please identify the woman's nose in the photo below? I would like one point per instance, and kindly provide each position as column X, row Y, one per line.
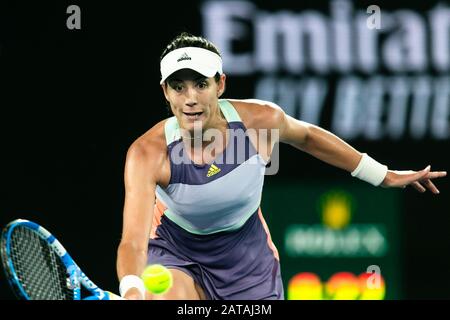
column 191, row 96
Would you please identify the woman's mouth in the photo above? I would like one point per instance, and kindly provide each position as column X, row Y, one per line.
column 193, row 115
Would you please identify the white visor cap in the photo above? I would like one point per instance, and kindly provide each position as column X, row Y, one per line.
column 201, row 60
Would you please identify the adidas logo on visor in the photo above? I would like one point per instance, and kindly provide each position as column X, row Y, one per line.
column 184, row 56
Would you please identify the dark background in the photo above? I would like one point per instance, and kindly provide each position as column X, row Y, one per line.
column 72, row 101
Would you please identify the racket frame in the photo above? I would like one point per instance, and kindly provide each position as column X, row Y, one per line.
column 76, row 278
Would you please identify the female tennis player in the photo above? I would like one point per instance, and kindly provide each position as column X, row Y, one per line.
column 193, row 183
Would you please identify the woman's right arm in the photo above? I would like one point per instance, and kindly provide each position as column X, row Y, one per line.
column 141, row 170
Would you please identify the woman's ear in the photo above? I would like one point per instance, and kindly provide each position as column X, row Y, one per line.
column 221, row 86
column 164, row 88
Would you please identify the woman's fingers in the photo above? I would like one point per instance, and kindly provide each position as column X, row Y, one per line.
column 418, row 186
column 436, row 174
column 410, row 177
column 420, row 180
column 430, row 186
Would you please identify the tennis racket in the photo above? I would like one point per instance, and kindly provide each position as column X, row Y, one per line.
column 39, row 268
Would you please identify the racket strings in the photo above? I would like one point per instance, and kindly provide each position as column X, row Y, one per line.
column 40, row 270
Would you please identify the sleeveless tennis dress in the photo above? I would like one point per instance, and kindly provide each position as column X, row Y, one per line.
column 208, row 223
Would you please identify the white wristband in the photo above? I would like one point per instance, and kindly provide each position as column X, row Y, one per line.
column 131, row 281
column 370, row 170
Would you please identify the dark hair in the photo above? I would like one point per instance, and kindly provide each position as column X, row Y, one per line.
column 186, row 39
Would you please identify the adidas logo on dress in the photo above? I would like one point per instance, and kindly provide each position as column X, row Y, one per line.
column 212, row 170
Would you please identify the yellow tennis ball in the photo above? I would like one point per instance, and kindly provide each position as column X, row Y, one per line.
column 157, row 278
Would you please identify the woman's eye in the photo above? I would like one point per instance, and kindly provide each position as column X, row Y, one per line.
column 202, row 85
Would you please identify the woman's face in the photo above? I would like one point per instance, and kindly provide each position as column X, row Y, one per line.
column 193, row 98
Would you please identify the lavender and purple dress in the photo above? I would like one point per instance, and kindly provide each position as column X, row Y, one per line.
column 208, row 223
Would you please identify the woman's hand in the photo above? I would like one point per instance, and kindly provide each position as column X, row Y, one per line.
column 420, row 180
column 133, row 294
